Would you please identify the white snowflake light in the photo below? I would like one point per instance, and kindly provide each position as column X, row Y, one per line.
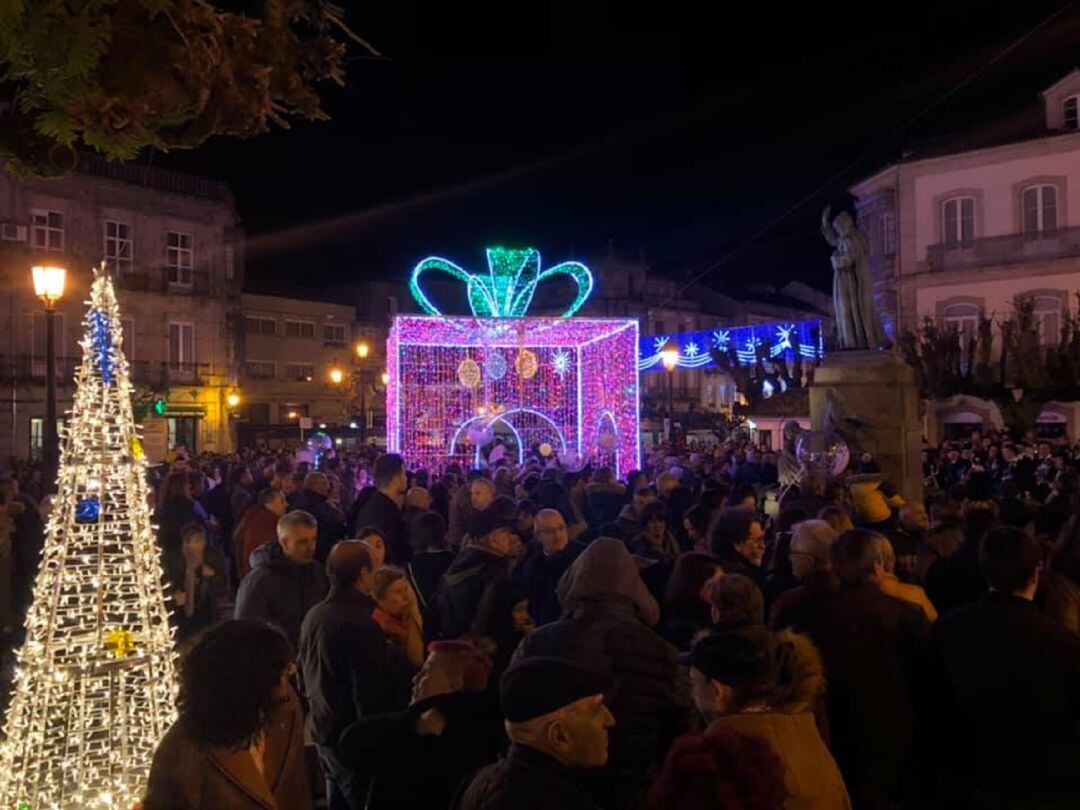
column 659, row 343
column 691, row 349
column 721, row 338
column 561, row 361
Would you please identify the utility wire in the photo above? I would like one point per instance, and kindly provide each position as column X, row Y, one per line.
column 971, row 77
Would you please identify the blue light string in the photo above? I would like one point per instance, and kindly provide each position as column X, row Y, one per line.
column 780, row 340
column 102, row 342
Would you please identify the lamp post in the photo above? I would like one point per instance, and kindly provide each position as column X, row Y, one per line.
column 49, row 284
column 362, row 351
column 669, row 356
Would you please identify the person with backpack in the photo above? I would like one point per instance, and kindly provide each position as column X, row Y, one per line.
column 476, row 571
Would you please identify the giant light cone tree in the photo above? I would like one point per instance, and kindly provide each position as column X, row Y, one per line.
column 95, row 685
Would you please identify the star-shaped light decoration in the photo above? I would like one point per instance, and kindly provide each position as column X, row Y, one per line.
column 561, row 361
column 691, row 349
column 721, row 338
column 783, row 339
column 120, row 642
column 659, row 343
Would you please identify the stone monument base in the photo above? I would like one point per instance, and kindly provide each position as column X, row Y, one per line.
column 874, row 400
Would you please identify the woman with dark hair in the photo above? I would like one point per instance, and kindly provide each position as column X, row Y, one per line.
column 502, row 621
column 375, row 542
column 696, row 527
column 238, row 742
column 687, row 602
column 678, row 503
column 1059, row 582
column 431, row 555
column 440, row 499
column 176, row 509
column 199, row 578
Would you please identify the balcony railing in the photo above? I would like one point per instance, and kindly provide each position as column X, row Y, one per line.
column 30, row 369
column 1015, row 248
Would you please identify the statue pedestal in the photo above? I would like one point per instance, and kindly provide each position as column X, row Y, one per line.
column 875, row 401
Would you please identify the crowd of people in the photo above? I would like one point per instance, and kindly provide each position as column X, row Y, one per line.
column 693, row 636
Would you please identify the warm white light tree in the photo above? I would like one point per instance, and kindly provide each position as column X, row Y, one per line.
column 95, row 683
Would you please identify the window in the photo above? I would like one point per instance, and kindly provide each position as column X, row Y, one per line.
column 1040, row 208
column 182, row 348
column 291, row 411
column 257, row 412
column 300, row 329
column 958, row 221
column 118, row 245
column 178, row 258
column 299, row 372
column 261, row 369
column 964, row 318
column 1047, row 314
column 48, row 230
column 888, row 233
column 256, row 325
column 37, row 438
column 1072, row 114
column 334, row 333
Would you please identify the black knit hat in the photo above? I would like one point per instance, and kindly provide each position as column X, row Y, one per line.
column 744, row 656
column 539, row 685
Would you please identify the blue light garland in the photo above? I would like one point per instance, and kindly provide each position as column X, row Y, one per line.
column 102, row 340
column 781, row 339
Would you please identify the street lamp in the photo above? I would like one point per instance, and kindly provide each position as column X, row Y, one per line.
column 385, row 378
column 233, row 400
column 362, row 350
column 669, row 356
column 336, row 376
column 49, row 284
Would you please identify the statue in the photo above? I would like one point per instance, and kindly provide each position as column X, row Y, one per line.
column 857, row 323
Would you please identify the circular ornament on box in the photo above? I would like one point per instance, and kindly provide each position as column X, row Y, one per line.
column 526, row 364
column 468, row 373
column 495, row 366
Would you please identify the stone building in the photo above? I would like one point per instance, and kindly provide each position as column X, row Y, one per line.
column 967, row 225
column 175, row 246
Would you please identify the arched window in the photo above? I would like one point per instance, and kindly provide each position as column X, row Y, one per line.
column 964, row 318
column 1040, row 204
column 1047, row 313
column 1071, row 108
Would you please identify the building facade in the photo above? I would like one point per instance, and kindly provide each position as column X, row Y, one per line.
column 300, row 362
column 175, row 247
column 969, row 227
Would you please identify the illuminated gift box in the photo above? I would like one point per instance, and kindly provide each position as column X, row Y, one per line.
column 461, row 386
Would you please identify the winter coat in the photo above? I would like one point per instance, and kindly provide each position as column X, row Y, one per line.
column 876, row 651
column 331, row 521
column 208, row 593
column 461, row 589
column 257, row 526
column 608, row 614
column 186, row 776
column 811, row 778
column 1015, row 679
column 345, row 662
column 425, row 571
column 380, row 511
column 391, row 747
column 956, row 580
column 1060, row 598
column 279, row 591
column 527, row 779
column 540, row 574
column 461, row 512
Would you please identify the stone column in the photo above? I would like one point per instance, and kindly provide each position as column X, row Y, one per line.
column 875, row 401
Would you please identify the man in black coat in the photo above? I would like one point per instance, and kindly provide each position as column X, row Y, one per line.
column 877, row 656
column 475, row 572
column 543, row 569
column 313, row 499
column 346, row 672
column 558, row 722
column 1015, row 678
column 956, row 580
column 608, row 616
column 382, row 508
column 285, row 581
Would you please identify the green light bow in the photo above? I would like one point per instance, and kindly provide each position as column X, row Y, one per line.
column 507, row 291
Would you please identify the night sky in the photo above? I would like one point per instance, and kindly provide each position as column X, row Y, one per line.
column 669, row 130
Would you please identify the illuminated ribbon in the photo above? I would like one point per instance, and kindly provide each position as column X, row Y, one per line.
column 508, row 289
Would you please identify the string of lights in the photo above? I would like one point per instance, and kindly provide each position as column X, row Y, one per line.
column 95, row 686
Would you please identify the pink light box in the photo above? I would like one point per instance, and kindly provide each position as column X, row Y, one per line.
column 580, row 396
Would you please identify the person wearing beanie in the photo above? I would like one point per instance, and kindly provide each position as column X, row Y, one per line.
column 557, row 720
column 740, row 681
